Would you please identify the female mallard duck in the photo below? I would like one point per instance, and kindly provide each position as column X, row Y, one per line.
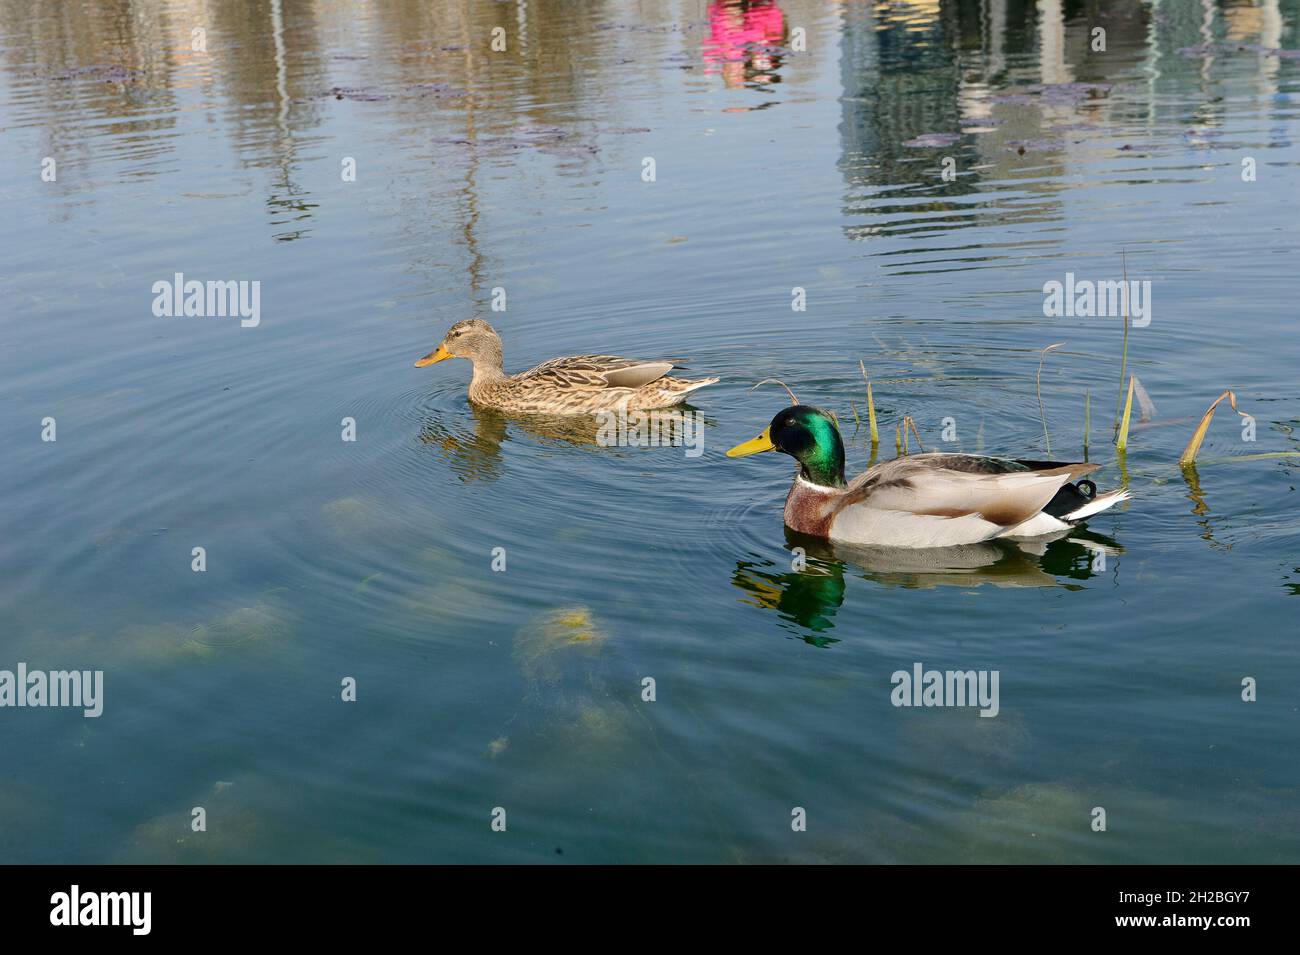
column 921, row 500
column 581, row 384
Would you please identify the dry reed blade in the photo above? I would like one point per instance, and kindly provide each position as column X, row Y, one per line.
column 871, row 405
column 778, row 381
column 1042, row 356
column 912, row 422
column 1121, row 441
column 1194, row 446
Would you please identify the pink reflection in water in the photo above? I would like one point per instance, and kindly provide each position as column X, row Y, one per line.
column 745, row 41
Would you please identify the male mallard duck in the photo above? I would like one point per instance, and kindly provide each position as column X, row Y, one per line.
column 921, row 500
column 581, row 384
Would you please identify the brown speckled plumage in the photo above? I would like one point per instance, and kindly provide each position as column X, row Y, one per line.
column 580, row 384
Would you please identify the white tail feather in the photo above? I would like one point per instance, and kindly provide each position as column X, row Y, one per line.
column 1098, row 504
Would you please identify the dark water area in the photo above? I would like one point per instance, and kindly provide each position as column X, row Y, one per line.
column 795, row 145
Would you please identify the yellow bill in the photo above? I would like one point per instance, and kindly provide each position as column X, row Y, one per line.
column 438, row 354
column 762, row 443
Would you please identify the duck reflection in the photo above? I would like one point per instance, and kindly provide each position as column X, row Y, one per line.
column 472, row 456
column 811, row 597
column 476, row 455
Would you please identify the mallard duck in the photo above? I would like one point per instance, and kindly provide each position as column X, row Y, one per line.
column 580, row 384
column 922, row 500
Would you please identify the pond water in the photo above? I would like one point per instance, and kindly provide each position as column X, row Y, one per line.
column 921, row 171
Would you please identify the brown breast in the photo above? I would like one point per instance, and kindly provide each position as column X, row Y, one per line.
column 808, row 508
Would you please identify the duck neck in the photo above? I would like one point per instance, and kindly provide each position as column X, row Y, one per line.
column 823, row 463
column 823, row 477
column 488, row 370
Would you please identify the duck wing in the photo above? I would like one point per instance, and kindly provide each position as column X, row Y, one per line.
column 998, row 491
column 597, row 371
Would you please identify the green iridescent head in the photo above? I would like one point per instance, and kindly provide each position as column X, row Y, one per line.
column 808, row 435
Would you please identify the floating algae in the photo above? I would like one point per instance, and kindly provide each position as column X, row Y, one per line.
column 351, row 515
column 249, row 820
column 597, row 722
column 568, row 698
column 232, row 833
column 1053, row 822
column 262, row 624
column 367, row 520
column 543, row 646
column 133, row 645
column 1032, row 823
column 159, row 643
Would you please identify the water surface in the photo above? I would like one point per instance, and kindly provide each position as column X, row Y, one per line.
column 780, row 138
